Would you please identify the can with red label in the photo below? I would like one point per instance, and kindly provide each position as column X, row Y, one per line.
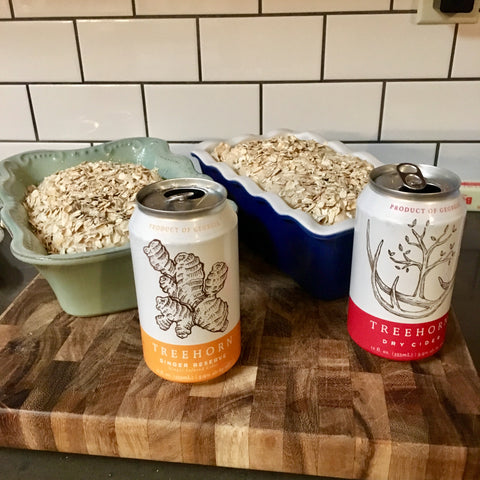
column 408, row 229
column 184, row 245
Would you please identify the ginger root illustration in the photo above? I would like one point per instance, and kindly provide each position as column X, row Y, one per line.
column 191, row 297
column 431, row 252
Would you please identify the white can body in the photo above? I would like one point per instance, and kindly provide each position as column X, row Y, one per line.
column 187, row 284
column 404, row 259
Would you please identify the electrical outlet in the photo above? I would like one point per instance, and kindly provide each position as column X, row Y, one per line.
column 429, row 12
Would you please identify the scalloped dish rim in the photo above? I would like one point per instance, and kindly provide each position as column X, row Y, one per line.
column 9, row 202
column 305, row 220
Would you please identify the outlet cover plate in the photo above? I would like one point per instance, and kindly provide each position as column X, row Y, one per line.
column 428, row 12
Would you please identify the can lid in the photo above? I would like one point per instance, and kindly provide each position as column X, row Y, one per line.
column 412, row 181
column 181, row 196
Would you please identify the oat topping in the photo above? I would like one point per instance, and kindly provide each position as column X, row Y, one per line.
column 86, row 207
column 304, row 173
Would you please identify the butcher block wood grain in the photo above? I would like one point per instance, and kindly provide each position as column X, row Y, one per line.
column 303, row 398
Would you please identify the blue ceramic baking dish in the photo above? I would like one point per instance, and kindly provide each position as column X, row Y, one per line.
column 318, row 257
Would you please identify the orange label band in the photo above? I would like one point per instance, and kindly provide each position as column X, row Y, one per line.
column 192, row 363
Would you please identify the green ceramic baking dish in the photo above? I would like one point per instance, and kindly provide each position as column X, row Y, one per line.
column 91, row 283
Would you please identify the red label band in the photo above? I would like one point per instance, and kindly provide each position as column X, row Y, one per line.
column 394, row 340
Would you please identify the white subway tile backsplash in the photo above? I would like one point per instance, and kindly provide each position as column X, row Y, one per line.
column 461, row 158
column 139, row 50
column 198, row 112
column 399, row 152
column 15, row 118
column 41, row 51
column 386, row 46
column 195, row 7
column 88, row 112
column 338, row 111
column 5, row 9
column 268, row 48
column 277, row 6
column 432, row 111
column 466, row 62
column 220, row 68
column 71, row 8
column 7, row 149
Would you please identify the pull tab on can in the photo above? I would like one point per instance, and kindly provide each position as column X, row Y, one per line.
column 181, row 196
column 411, row 176
column 183, row 199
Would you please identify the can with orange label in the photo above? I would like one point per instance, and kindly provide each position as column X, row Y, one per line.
column 184, row 245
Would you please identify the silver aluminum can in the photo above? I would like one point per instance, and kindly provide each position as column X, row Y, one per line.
column 184, row 245
column 408, row 228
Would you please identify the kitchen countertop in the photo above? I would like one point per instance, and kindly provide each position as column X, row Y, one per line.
column 18, row 464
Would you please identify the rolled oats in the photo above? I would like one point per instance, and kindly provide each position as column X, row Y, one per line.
column 86, row 207
column 306, row 174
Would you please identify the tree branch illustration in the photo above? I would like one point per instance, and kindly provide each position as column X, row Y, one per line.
column 416, row 305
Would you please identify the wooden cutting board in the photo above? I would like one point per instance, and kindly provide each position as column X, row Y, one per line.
column 303, row 398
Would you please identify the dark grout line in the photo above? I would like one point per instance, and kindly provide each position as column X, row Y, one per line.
column 209, row 15
column 199, row 50
column 382, row 111
column 248, row 82
column 437, row 154
column 79, row 51
column 452, row 53
column 32, row 112
column 260, row 101
column 324, row 49
column 145, row 114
